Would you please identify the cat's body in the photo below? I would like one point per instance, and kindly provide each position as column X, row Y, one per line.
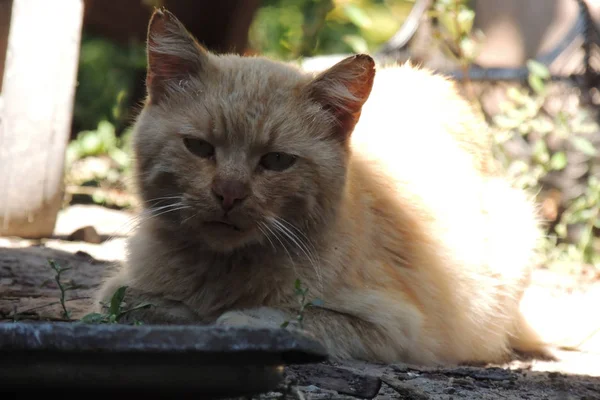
column 403, row 226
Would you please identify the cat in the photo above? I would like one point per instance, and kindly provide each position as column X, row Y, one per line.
column 375, row 187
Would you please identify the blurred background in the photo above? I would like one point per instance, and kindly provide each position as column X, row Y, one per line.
column 529, row 66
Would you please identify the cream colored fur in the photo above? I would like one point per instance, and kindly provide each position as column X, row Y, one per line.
column 407, row 231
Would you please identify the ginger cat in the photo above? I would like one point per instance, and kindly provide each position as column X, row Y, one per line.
column 377, row 190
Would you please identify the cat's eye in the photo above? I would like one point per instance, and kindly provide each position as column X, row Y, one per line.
column 199, row 147
column 277, row 161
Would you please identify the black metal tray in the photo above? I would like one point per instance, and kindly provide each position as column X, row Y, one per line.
column 155, row 361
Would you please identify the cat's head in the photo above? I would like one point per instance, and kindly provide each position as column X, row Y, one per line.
column 232, row 151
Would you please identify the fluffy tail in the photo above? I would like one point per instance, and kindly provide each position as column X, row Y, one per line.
column 524, row 339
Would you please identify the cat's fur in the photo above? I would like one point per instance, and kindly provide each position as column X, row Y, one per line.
column 394, row 213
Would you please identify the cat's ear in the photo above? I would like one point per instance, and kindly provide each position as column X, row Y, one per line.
column 173, row 54
column 343, row 89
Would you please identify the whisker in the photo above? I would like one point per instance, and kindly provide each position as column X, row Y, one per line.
column 144, row 215
column 164, row 198
column 124, row 230
column 152, row 210
column 292, row 226
column 300, row 245
column 295, row 239
column 266, row 235
column 307, row 241
column 276, row 236
column 190, row 217
column 137, row 219
column 310, row 255
column 170, row 210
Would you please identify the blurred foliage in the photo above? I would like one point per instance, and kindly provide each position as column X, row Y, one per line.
column 288, row 29
column 105, row 82
column 98, row 163
column 543, row 140
column 455, row 30
column 98, row 158
column 547, row 140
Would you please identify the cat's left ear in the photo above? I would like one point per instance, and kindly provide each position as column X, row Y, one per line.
column 173, row 54
column 343, row 89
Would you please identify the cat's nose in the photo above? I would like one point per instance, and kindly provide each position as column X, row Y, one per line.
column 229, row 192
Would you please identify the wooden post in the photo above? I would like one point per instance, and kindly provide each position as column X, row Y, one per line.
column 5, row 7
column 35, row 113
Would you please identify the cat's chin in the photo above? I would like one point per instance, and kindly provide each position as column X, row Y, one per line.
column 225, row 237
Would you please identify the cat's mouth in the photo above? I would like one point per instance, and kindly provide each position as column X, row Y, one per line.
column 221, row 223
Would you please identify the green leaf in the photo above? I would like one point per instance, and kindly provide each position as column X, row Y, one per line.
column 542, row 125
column 99, row 197
column 73, row 152
column 505, row 122
column 448, row 22
column 116, row 300
column 469, row 48
column 561, row 230
column 538, row 69
column 93, row 318
column 516, row 95
column 357, row 43
column 558, row 161
column 138, row 307
column 540, row 151
column 357, row 16
column 285, row 324
column 584, row 146
column 536, row 83
column 120, row 157
column 107, row 136
column 90, row 143
column 298, row 285
column 465, row 20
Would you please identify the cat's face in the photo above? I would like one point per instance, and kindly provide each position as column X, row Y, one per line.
column 236, row 151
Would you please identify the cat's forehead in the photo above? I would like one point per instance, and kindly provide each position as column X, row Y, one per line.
column 255, row 79
column 248, row 102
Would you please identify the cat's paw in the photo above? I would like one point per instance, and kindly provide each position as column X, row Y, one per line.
column 262, row 317
column 141, row 307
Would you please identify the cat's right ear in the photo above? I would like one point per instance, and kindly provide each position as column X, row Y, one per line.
column 343, row 89
column 173, row 54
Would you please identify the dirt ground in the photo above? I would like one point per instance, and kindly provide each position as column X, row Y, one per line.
column 563, row 306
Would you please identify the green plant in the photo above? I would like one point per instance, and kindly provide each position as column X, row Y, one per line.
column 289, row 29
column 106, row 80
column 457, row 37
column 583, row 212
column 63, row 287
column 114, row 310
column 523, row 118
column 455, row 30
column 101, row 141
column 98, row 163
column 66, row 314
column 303, row 304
